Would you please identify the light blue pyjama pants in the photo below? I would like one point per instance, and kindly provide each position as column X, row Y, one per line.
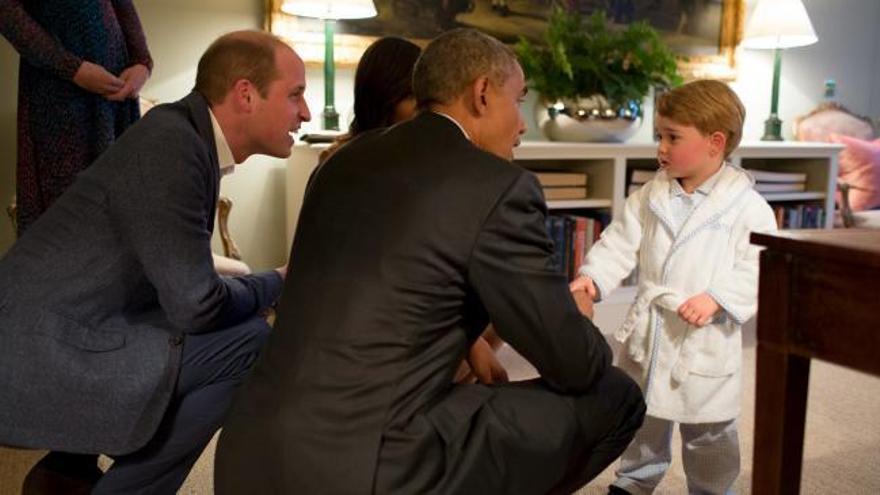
column 710, row 454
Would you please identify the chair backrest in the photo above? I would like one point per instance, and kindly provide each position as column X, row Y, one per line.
column 12, row 211
column 832, row 118
column 823, row 124
column 230, row 249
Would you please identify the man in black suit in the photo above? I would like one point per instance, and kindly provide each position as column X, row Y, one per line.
column 409, row 241
column 116, row 334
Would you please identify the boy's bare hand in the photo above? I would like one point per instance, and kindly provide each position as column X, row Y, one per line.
column 583, row 283
column 584, row 302
column 698, row 310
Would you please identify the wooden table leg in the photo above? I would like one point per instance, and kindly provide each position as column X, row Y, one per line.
column 780, row 413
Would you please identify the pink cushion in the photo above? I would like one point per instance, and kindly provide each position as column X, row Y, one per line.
column 860, row 167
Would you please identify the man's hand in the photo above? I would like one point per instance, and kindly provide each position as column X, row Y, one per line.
column 94, row 78
column 134, row 78
column 584, row 302
column 484, row 364
column 698, row 310
column 584, row 283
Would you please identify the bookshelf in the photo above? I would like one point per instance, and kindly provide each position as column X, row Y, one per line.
column 607, row 166
column 576, row 204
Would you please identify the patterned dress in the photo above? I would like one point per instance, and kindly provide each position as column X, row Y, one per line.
column 62, row 128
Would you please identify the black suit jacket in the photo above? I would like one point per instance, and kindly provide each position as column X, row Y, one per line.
column 409, row 241
column 97, row 296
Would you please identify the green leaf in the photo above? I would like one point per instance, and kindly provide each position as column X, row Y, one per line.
column 581, row 56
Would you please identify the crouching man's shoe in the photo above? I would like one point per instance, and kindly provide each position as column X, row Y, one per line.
column 58, row 472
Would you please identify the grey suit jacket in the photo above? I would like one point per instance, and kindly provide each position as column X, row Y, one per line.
column 409, row 241
column 97, row 297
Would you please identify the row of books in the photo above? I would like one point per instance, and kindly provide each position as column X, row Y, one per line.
column 765, row 181
column 638, row 178
column 563, row 185
column 573, row 236
column 799, row 216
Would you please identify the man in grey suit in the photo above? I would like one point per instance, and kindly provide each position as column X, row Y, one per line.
column 116, row 334
column 409, row 241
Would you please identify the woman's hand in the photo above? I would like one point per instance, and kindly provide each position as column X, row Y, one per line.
column 134, row 78
column 95, row 79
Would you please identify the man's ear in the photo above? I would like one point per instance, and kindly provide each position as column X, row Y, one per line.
column 243, row 94
column 480, row 92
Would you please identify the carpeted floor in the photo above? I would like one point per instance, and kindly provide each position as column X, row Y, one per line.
column 842, row 447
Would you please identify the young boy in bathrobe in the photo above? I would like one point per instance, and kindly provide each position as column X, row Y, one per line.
column 687, row 231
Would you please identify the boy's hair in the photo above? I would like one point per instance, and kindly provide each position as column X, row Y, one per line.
column 710, row 106
column 239, row 55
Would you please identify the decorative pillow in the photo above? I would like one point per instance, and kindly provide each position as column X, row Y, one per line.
column 860, row 168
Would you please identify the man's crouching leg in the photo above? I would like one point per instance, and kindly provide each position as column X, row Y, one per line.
column 608, row 417
column 212, row 367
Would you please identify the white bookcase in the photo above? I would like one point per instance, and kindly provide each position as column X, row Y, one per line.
column 607, row 165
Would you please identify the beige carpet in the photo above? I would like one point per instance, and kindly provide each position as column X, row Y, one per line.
column 842, row 447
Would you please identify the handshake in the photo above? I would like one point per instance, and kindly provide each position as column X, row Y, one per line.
column 697, row 310
column 584, row 293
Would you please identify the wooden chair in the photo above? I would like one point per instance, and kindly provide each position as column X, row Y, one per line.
column 820, row 124
column 12, row 211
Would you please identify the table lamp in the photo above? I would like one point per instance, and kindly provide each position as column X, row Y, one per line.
column 330, row 11
column 778, row 24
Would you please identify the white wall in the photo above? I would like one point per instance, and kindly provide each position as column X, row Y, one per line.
column 178, row 31
column 848, row 51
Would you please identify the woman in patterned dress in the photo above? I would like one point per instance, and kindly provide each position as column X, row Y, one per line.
column 83, row 63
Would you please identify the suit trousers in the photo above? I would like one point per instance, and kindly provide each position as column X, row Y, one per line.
column 212, row 367
column 526, row 439
column 710, row 456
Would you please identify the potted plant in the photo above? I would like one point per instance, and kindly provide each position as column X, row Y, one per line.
column 592, row 77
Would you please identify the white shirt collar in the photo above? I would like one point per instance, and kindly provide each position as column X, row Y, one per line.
column 705, row 188
column 454, row 122
column 224, row 154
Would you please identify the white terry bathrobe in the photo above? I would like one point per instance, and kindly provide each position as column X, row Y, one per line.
column 688, row 374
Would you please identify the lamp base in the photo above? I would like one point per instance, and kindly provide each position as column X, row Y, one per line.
column 772, row 129
column 330, row 118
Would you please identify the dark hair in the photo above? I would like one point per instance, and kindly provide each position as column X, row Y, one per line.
column 383, row 79
column 454, row 60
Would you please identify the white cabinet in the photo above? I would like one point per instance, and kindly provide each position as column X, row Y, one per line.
column 607, row 166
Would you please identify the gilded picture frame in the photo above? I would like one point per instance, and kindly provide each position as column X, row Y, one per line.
column 723, row 20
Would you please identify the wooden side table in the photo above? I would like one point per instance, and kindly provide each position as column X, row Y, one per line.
column 819, row 297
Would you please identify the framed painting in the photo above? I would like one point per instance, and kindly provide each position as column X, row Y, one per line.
column 704, row 33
